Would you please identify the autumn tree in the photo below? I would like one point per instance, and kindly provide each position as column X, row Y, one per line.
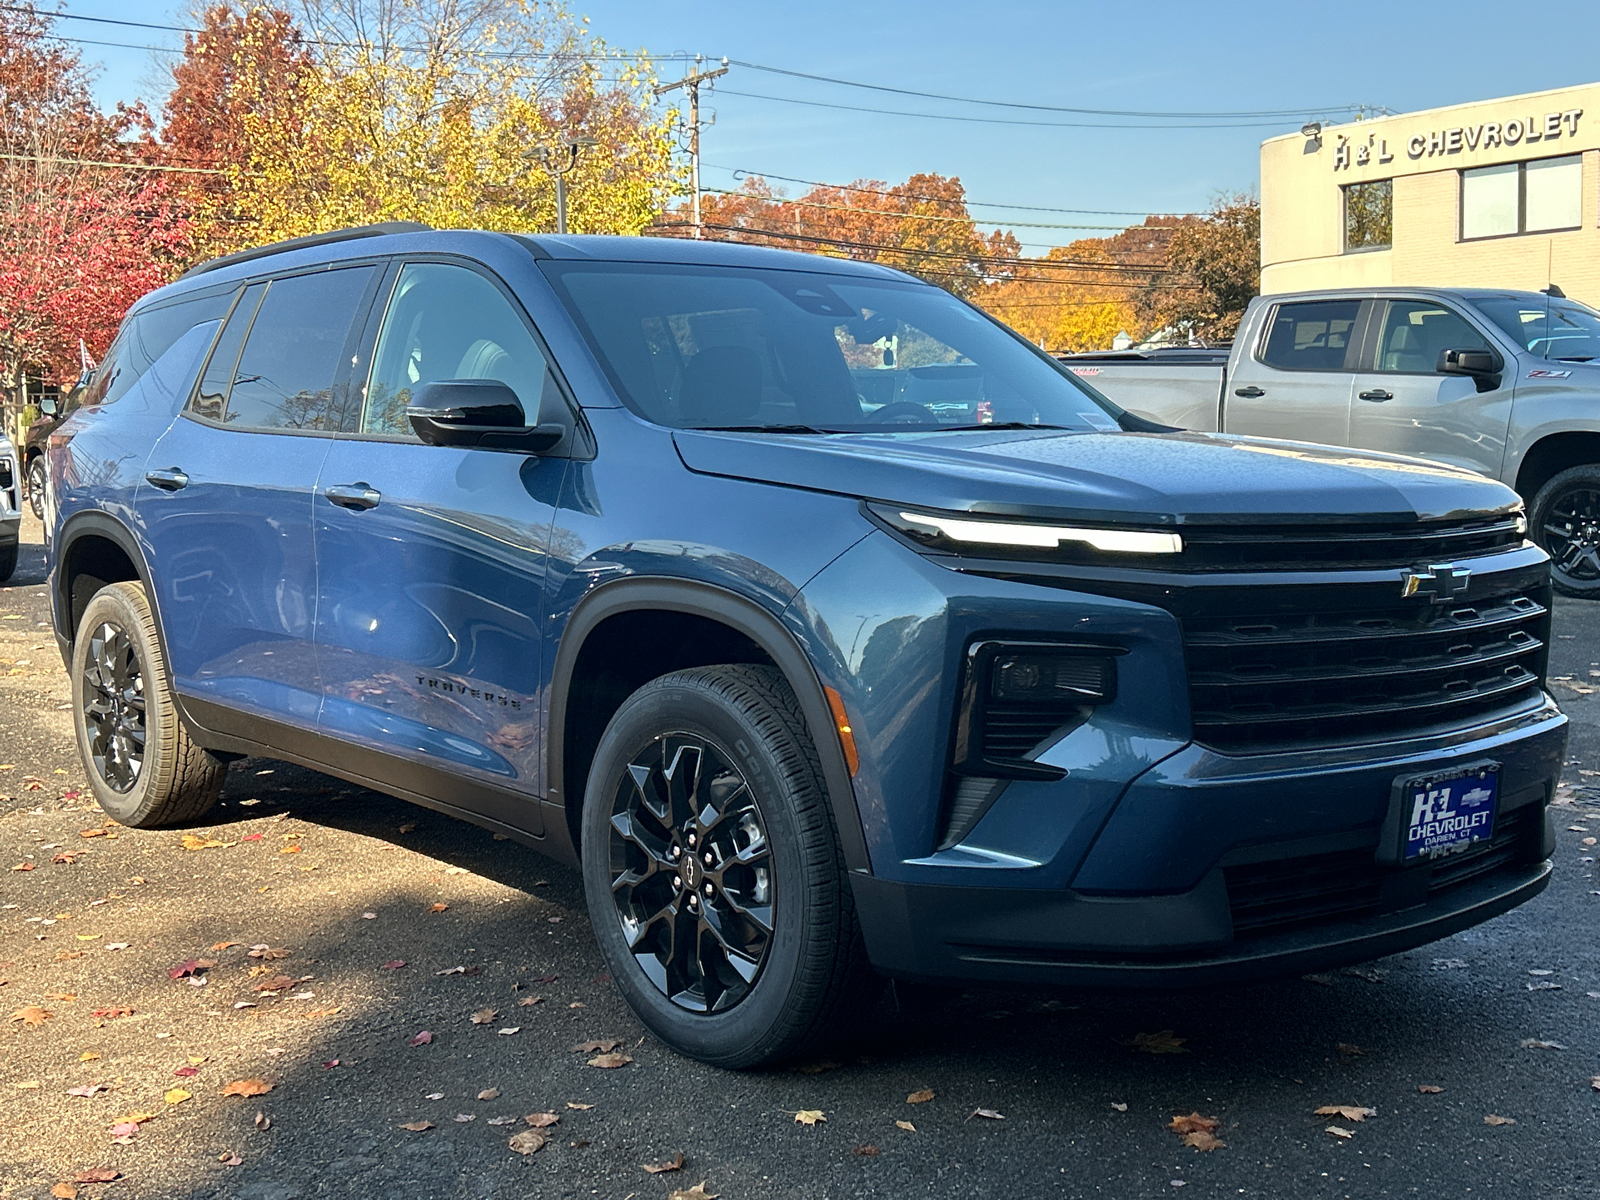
column 1216, row 265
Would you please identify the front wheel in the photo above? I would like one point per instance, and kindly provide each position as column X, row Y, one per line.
column 144, row 768
column 713, row 874
column 1565, row 520
column 36, row 486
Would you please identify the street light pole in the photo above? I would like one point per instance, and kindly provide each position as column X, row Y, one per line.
column 690, row 83
column 559, row 160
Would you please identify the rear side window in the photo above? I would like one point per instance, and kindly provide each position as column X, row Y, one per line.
column 145, row 337
column 1311, row 336
column 292, row 373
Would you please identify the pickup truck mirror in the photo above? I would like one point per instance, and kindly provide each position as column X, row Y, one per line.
column 47, row 405
column 1484, row 366
column 481, row 413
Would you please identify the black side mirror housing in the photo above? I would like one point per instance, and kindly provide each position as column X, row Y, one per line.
column 481, row 413
column 1482, row 366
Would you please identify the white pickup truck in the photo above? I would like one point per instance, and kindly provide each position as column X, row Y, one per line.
column 1504, row 383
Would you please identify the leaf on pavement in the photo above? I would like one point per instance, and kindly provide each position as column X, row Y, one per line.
column 1350, row 1112
column 1537, row 1044
column 463, row 1118
column 906, row 1125
column 111, row 1013
column 23, row 866
column 573, row 1104
column 33, row 1015
column 262, row 1121
column 527, row 1142
column 809, row 1116
column 266, row 953
column 177, row 1096
column 422, row 1039
column 988, row 1114
column 1194, row 1123
column 529, row 1001
column 394, row 964
column 64, row 1191
column 1429, row 1089
column 502, row 1120
column 1339, row 1133
column 608, row 1061
column 89, row 1089
column 1595, row 1083
column 97, row 1175
column 247, row 1087
column 920, row 1096
column 417, row 1126
column 433, row 908
column 602, row 1045
column 220, row 946
column 675, row 1163
column 509, row 1031
column 1158, row 1043
column 1201, row 1140
column 277, row 983
column 541, row 1120
column 191, row 842
column 697, row 1192
column 484, row 1016
column 489, row 1094
column 191, row 966
column 1492, row 1119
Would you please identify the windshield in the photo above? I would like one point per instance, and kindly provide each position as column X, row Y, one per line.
column 1550, row 329
column 702, row 347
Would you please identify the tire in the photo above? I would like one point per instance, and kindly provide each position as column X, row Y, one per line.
column 1565, row 521
column 744, row 999
column 36, row 485
column 8, row 561
column 120, row 693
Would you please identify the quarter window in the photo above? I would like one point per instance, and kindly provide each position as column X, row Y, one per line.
column 448, row 322
column 1416, row 331
column 1528, row 197
column 145, row 337
column 1311, row 336
column 1369, row 215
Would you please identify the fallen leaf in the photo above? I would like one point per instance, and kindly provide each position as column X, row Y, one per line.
column 527, row 1142
column 422, row 1039
column 1429, row 1089
column 266, row 952
column 251, row 837
column 1491, row 1119
column 441, row 908
column 247, row 1087
column 1194, row 1123
column 97, row 1175
column 191, row 842
column 418, row 1126
column 1350, row 1112
column 809, row 1116
column 1204, row 1141
column 88, row 1056
column 502, row 1120
column 91, row 833
column 191, row 966
column 906, row 1125
column 112, row 1013
column 1339, row 1133
column 987, row 1114
column 607, row 1061
column 124, row 1130
column 65, row 1191
column 463, row 1118
column 675, row 1163
column 277, row 983
column 230, row 1160
column 330, row 1064
column 921, row 1096
column 408, row 827
column 1595, row 1083
column 547, row 979
column 65, row 997
column 33, row 1015
column 697, row 1192
column 1536, row 1044
column 262, row 1121
column 1158, row 1043
column 394, row 964
column 484, row 1016
column 434, row 1096
column 541, row 1120
column 23, row 866
column 288, row 849
column 489, row 1094
column 178, row 1095
column 868, row 1151
column 452, row 971
column 1119, row 1107
column 603, row 1045
column 573, row 1104
column 529, row 1001
column 509, row 1031
column 88, row 1089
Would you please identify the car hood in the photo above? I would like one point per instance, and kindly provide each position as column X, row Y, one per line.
column 1165, row 478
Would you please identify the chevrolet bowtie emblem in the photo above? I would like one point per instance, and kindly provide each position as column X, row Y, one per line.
column 1442, row 581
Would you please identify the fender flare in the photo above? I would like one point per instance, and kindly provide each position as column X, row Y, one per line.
column 738, row 613
column 99, row 524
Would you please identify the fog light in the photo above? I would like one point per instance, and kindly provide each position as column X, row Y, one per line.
column 1050, row 679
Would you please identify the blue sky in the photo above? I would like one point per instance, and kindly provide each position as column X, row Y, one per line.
column 1155, row 56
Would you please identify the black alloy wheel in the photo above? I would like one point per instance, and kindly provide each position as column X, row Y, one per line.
column 1565, row 520
column 36, row 486
column 692, row 873
column 113, row 707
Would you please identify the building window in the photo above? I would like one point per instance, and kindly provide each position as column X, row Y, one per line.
column 1527, row 197
column 1369, row 215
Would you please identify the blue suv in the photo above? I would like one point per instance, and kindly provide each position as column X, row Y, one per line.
column 833, row 631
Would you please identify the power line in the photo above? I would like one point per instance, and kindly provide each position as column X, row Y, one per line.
column 877, row 212
column 1096, row 112
column 121, row 166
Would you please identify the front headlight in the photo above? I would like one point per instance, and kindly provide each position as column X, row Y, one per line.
column 956, row 531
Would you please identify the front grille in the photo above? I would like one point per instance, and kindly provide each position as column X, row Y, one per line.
column 1340, row 547
column 1267, row 897
column 1324, row 673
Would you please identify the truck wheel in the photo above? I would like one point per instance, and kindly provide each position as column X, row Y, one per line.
column 1565, row 520
column 144, row 768
column 713, row 874
column 36, row 486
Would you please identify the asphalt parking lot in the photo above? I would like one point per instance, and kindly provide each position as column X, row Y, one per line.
column 294, row 949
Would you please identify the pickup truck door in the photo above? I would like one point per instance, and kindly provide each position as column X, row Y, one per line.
column 1295, row 381
column 1405, row 406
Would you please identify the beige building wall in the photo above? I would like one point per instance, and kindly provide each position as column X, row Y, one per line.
column 1302, row 205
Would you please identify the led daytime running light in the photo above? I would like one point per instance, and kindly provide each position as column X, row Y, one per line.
column 1048, row 537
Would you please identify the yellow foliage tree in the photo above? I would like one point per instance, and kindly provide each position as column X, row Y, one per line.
column 433, row 111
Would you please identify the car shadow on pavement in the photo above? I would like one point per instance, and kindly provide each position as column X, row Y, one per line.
column 32, row 568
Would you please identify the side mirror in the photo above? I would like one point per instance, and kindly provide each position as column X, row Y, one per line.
column 481, row 413
column 48, row 406
column 1483, row 366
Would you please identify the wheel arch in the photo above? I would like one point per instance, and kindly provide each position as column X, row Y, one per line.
column 710, row 613
column 1552, row 454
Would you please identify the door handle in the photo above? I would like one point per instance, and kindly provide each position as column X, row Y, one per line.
column 168, row 479
column 357, row 496
column 1250, row 393
column 1377, row 394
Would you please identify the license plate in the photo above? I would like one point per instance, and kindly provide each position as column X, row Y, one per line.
column 1449, row 811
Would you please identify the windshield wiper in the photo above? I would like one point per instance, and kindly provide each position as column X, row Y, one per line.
column 758, row 429
column 992, row 425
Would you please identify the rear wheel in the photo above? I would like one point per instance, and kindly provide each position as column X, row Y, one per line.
column 36, row 486
column 713, row 874
column 143, row 767
column 1565, row 520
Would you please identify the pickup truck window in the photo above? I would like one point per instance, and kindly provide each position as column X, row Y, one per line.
column 1550, row 328
column 1311, row 336
column 1415, row 331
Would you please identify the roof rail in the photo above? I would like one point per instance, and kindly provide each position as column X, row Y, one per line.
column 300, row 243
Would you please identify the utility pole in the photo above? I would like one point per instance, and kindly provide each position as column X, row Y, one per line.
column 690, row 83
column 559, row 160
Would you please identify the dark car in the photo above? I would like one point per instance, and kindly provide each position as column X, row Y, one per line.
column 52, row 411
column 829, row 628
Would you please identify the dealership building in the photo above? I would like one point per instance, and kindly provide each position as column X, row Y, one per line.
column 1498, row 193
